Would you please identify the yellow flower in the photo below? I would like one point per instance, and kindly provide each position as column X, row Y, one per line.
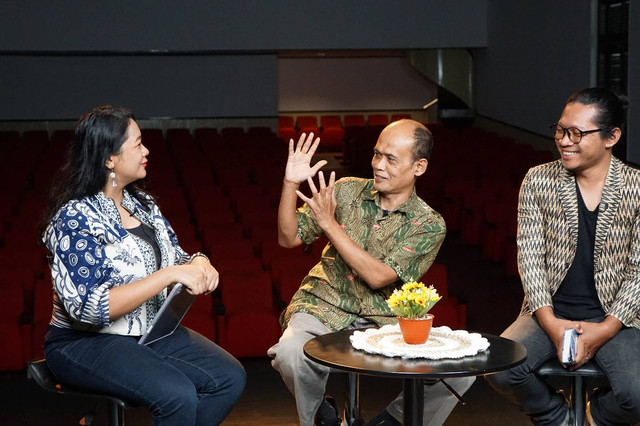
column 413, row 300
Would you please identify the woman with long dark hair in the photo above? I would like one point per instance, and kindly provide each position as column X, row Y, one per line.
column 113, row 256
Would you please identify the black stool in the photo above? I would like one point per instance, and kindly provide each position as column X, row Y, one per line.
column 578, row 390
column 38, row 370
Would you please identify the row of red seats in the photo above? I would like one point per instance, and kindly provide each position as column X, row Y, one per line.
column 187, row 177
column 221, row 198
column 26, row 177
column 473, row 180
column 331, row 129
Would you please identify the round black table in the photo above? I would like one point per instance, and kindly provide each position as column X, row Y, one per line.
column 335, row 350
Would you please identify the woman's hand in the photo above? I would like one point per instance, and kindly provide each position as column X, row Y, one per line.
column 211, row 273
column 198, row 276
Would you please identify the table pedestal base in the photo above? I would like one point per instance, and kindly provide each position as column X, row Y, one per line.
column 413, row 403
column 352, row 403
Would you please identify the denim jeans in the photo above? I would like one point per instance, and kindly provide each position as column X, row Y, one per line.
column 184, row 379
column 619, row 358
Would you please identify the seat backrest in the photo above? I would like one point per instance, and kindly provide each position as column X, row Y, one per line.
column 396, row 117
column 354, row 120
column 436, row 275
column 378, row 120
column 330, row 121
column 285, row 121
column 307, row 122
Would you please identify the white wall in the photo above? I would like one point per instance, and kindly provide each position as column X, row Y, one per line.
column 351, row 84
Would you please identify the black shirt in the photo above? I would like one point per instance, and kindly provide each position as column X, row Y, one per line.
column 146, row 233
column 577, row 299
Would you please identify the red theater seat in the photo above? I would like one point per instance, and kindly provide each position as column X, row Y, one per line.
column 332, row 133
column 200, row 317
column 376, row 120
column 226, row 267
column 42, row 307
column 233, row 134
column 216, row 234
column 286, row 128
column 354, row 120
column 450, row 313
column 248, row 325
column 246, row 289
column 436, row 276
column 249, row 333
column 11, row 328
column 289, row 281
column 396, row 117
column 271, row 250
column 206, row 135
column 354, row 126
column 237, row 249
column 447, row 311
column 179, row 136
column 308, row 124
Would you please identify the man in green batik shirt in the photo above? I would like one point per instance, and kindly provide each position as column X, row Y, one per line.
column 381, row 234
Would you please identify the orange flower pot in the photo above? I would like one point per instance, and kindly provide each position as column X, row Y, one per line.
column 415, row 331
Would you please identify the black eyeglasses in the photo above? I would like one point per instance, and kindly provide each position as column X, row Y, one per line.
column 575, row 134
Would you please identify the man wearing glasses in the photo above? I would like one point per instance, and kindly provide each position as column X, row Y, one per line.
column 579, row 260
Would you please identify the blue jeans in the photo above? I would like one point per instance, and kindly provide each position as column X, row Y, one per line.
column 184, row 379
column 619, row 358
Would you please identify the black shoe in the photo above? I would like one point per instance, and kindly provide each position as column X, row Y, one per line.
column 327, row 414
column 383, row 419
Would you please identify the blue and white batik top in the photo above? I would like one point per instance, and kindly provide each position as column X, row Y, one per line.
column 92, row 253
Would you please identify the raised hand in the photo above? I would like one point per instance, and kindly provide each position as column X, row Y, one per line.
column 299, row 161
column 323, row 202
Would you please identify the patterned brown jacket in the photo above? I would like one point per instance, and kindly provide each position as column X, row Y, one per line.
column 548, row 235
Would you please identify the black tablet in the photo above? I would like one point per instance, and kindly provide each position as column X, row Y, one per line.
column 171, row 312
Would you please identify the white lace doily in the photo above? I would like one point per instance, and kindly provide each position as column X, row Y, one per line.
column 442, row 343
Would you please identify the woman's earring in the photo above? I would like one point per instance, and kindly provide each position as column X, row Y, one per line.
column 112, row 175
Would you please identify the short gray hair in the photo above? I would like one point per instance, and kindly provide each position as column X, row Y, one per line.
column 423, row 143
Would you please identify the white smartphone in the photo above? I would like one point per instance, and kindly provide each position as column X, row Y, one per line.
column 569, row 346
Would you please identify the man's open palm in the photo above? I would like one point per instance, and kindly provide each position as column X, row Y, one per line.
column 299, row 161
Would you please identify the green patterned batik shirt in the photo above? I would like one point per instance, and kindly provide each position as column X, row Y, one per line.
column 407, row 239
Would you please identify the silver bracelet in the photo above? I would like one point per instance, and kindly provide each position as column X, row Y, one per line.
column 198, row 254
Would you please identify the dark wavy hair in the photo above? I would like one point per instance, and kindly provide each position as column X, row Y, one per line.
column 611, row 108
column 99, row 134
